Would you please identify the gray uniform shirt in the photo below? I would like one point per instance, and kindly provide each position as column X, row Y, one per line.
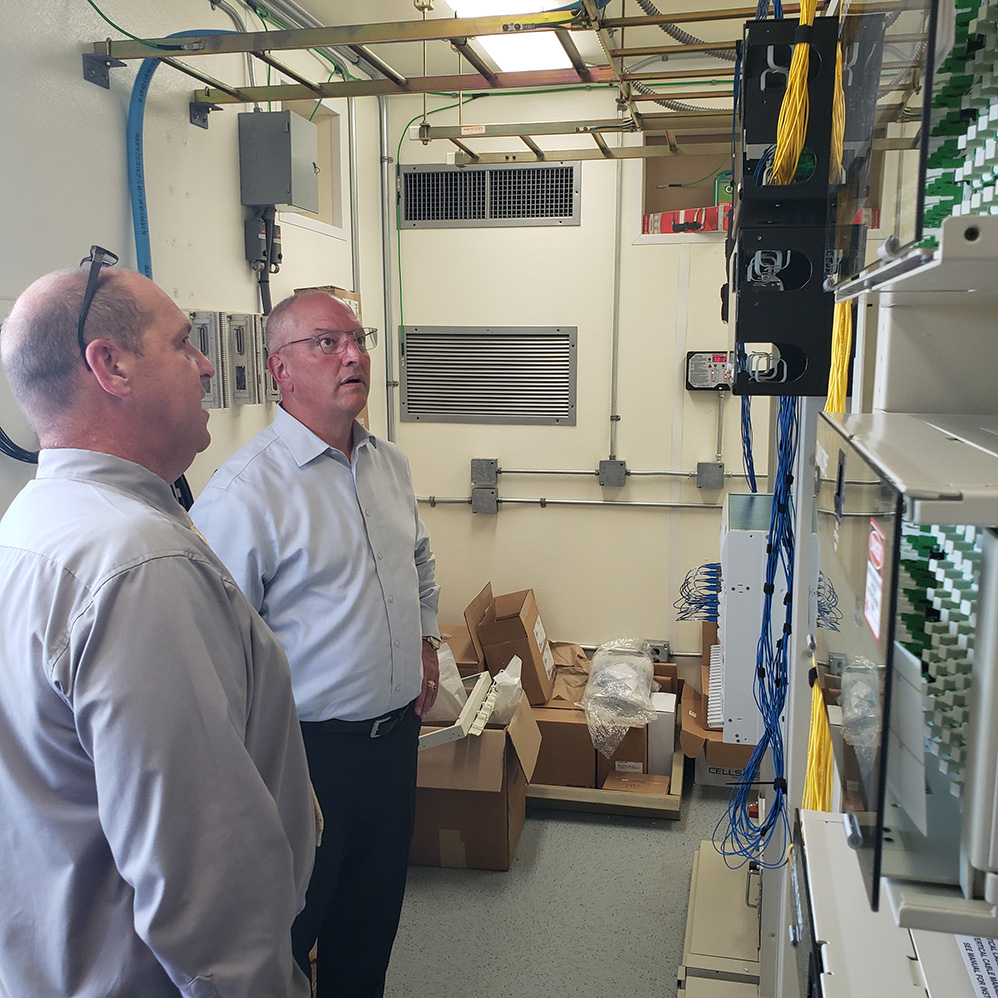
column 156, row 824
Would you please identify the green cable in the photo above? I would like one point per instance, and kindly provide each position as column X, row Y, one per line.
column 135, row 38
column 318, row 103
column 265, row 15
column 693, row 183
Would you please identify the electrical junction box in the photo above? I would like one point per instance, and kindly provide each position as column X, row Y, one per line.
column 484, row 500
column 485, row 471
column 708, row 370
column 278, row 153
column 242, row 340
column 613, row 474
column 710, row 475
column 206, row 335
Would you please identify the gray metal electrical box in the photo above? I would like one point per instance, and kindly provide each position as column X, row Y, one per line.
column 277, row 160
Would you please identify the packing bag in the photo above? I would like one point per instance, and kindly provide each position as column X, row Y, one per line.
column 618, row 693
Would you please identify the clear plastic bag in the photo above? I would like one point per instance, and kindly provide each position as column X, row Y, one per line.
column 618, row 694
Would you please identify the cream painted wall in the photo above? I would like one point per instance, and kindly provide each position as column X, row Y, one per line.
column 64, row 183
column 598, row 573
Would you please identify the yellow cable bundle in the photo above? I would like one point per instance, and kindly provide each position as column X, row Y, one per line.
column 838, row 121
column 818, row 779
column 838, row 376
column 792, row 125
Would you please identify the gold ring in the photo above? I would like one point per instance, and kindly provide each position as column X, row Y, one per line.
column 430, row 684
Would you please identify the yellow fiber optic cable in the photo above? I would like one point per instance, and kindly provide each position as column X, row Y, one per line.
column 792, row 125
column 818, row 779
column 838, row 121
column 838, row 375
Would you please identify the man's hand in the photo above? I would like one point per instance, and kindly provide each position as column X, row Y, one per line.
column 431, row 677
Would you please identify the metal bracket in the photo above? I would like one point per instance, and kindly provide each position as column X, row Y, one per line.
column 95, row 68
column 200, row 112
column 472, row 719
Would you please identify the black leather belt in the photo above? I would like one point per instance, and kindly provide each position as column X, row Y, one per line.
column 374, row 728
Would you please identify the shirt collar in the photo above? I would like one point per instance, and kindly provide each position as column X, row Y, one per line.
column 105, row 469
column 306, row 446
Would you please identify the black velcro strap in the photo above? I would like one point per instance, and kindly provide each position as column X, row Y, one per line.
column 769, row 589
column 803, row 33
column 780, row 784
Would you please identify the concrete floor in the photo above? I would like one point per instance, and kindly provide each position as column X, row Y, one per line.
column 593, row 907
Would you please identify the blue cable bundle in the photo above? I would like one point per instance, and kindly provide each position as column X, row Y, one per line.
column 746, row 838
column 829, row 613
column 699, row 593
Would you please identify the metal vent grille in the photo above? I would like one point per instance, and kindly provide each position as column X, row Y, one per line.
column 453, row 197
column 542, row 193
column 489, row 374
column 444, row 195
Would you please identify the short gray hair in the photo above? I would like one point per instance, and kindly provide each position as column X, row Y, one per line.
column 282, row 313
column 38, row 341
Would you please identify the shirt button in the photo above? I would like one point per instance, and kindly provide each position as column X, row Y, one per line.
column 367, row 512
column 398, row 643
column 379, row 556
column 391, row 599
column 397, row 688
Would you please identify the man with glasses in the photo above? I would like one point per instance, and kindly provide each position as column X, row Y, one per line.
column 155, row 808
column 316, row 519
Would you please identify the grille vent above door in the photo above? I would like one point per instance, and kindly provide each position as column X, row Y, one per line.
column 489, row 374
column 451, row 196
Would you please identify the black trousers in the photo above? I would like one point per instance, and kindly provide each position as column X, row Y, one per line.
column 367, row 790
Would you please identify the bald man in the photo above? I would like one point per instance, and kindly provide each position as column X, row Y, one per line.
column 316, row 519
column 156, row 822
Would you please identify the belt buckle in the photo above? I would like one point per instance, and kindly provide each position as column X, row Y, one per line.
column 376, row 727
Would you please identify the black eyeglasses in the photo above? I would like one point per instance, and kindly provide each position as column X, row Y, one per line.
column 99, row 257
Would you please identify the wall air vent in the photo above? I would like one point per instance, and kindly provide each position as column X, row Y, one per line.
column 451, row 196
column 489, row 374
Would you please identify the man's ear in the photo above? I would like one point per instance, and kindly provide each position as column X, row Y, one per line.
column 109, row 363
column 279, row 370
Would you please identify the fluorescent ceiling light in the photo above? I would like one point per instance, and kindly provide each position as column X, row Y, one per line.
column 519, row 52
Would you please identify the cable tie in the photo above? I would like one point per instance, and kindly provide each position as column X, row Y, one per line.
column 780, row 784
column 769, row 589
column 812, row 676
column 789, row 479
column 760, row 672
column 786, row 628
column 787, row 599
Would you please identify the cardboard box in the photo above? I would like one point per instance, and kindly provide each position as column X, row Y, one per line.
column 458, row 639
column 662, row 734
column 508, row 625
column 667, row 676
column 631, row 755
column 717, row 764
column 471, row 796
column 710, row 218
column 571, row 673
column 567, row 757
column 642, row 783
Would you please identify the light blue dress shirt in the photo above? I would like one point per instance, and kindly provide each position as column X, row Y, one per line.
column 334, row 555
column 156, row 823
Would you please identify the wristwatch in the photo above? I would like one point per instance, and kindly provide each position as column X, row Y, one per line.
column 435, row 643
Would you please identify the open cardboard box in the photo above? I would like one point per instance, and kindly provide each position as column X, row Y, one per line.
column 508, row 625
column 717, row 763
column 471, row 796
